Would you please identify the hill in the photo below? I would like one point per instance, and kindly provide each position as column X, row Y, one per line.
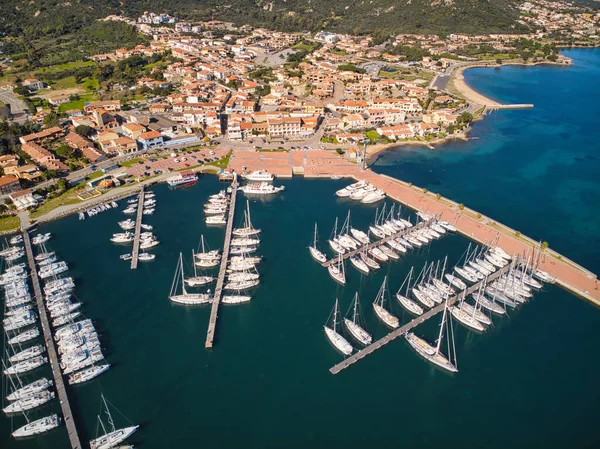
column 56, row 17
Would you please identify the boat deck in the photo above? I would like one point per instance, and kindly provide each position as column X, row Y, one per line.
column 380, row 242
column 409, row 326
column 52, row 354
column 212, row 322
column 138, row 230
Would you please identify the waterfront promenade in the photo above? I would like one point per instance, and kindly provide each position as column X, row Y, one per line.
column 51, row 348
column 484, row 230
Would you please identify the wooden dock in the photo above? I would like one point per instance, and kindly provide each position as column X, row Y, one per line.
column 52, row 354
column 212, row 322
column 410, row 325
column 138, row 230
column 380, row 242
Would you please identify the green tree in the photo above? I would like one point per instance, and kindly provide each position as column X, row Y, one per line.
column 64, row 151
column 83, row 130
column 62, row 184
column 51, row 119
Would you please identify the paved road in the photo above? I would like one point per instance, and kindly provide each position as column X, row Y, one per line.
column 17, row 107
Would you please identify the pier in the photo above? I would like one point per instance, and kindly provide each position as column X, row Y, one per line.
column 138, row 230
column 52, row 354
column 212, row 322
column 380, row 242
column 410, row 325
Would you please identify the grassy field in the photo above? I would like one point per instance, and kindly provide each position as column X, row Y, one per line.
column 9, row 223
column 223, row 162
column 407, row 74
column 67, row 66
column 66, row 199
column 131, row 162
column 77, row 104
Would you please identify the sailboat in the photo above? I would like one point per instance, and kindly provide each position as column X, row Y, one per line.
column 354, row 325
column 38, row 426
column 335, row 245
column 247, row 230
column 336, row 338
column 185, row 297
column 111, row 436
column 404, row 301
column 337, row 271
column 196, row 280
column 466, row 318
column 434, row 355
column 314, row 251
column 379, row 305
column 206, row 259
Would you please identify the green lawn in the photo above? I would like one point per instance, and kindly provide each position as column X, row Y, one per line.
column 9, row 223
column 223, row 162
column 67, row 66
column 77, row 104
column 66, row 199
column 95, row 175
column 131, row 162
column 372, row 135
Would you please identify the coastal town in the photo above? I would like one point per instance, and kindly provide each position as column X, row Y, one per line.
column 245, row 90
column 259, row 172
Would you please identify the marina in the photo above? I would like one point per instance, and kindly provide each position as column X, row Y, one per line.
column 404, row 329
column 51, row 348
column 214, row 310
column 380, row 242
column 142, row 295
column 536, row 354
column 138, row 229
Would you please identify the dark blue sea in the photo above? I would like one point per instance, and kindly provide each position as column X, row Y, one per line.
column 530, row 381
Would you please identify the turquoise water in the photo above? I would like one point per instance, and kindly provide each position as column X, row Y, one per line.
column 535, row 170
column 529, row 382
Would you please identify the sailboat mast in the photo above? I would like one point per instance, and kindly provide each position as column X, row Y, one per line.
column 193, row 258
column 110, row 420
column 335, row 314
column 409, row 278
column 354, row 316
column 182, row 277
column 249, row 224
column 442, row 324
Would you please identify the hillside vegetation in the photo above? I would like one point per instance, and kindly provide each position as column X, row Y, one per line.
column 56, row 17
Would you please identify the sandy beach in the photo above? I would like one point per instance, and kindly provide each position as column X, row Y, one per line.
column 458, row 84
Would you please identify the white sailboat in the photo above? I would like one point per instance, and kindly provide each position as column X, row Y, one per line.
column 359, row 264
column 36, row 427
column 197, row 281
column 206, row 259
column 434, row 354
column 185, row 297
column 314, row 250
column 334, row 336
column 355, row 324
column 333, row 243
column 111, row 436
column 404, row 301
column 29, row 389
column 337, row 271
column 380, row 310
column 247, row 229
